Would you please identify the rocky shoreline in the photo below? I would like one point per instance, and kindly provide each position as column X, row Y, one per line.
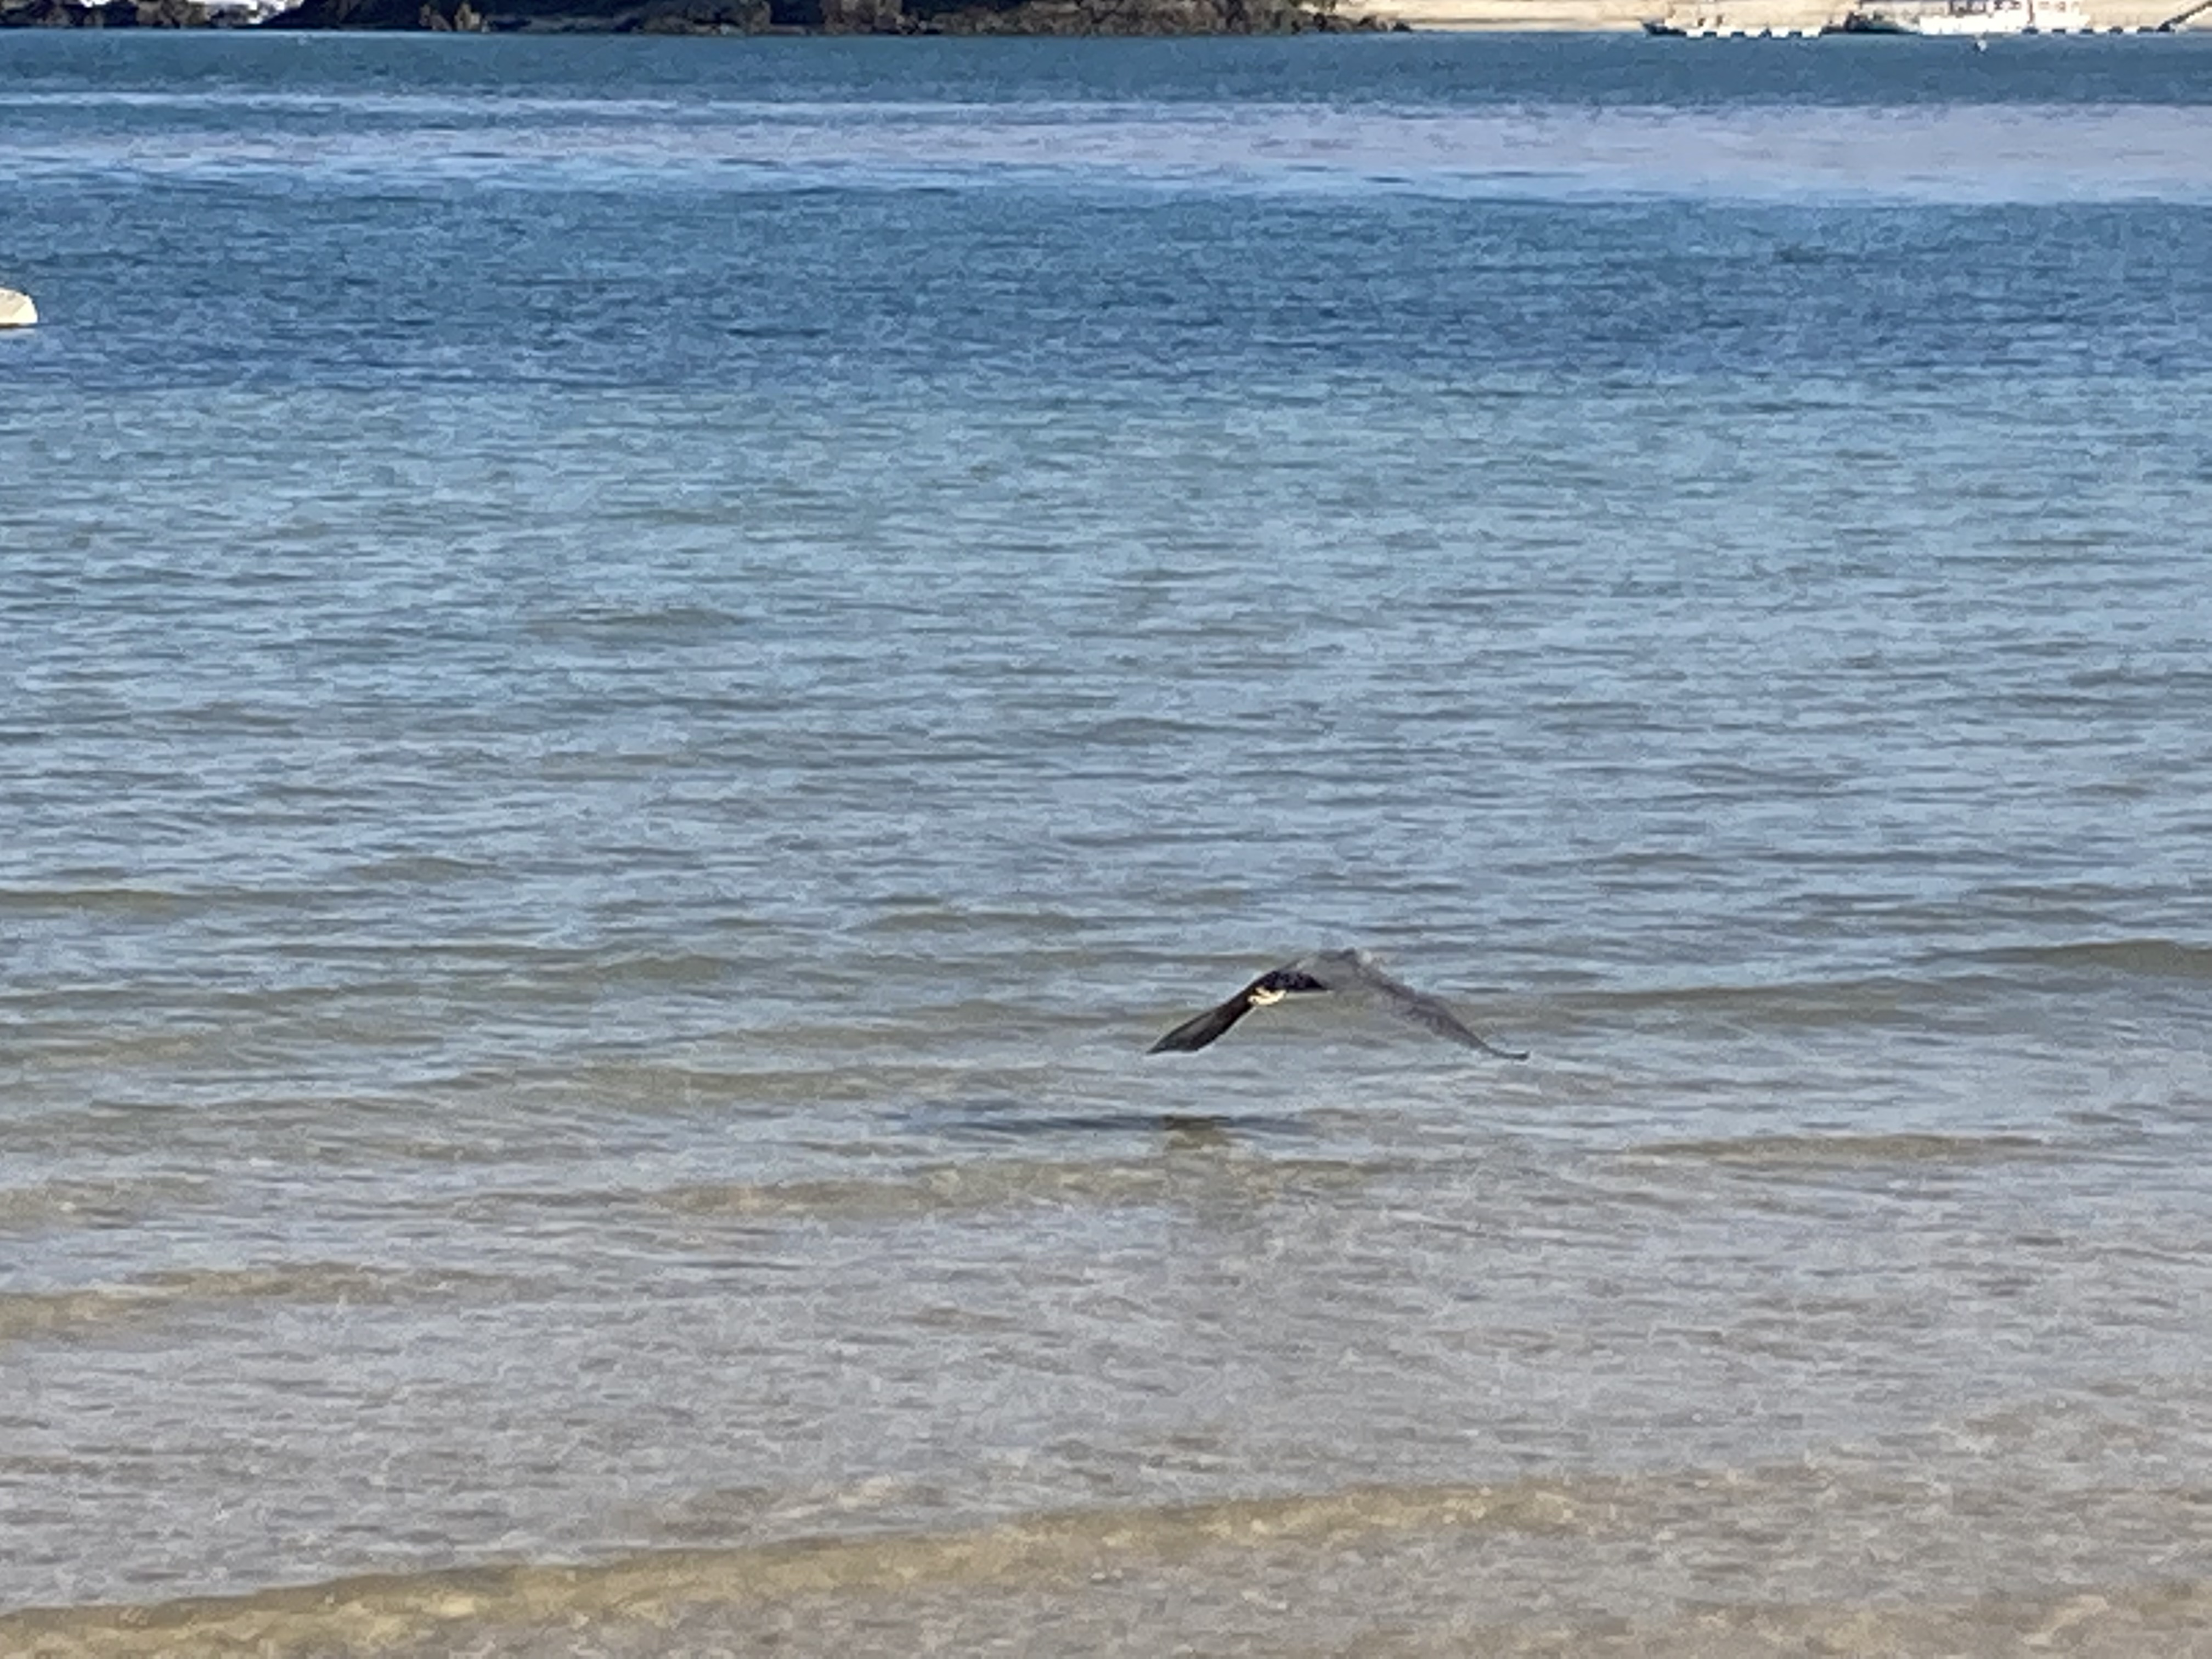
column 121, row 14
column 1048, row 17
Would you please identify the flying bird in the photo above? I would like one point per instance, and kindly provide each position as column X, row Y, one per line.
column 1352, row 972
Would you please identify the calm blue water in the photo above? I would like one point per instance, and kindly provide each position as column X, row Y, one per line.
column 637, row 672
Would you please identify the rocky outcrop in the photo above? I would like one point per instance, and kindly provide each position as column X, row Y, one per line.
column 354, row 14
column 16, row 310
column 820, row 17
column 709, row 16
column 118, row 15
column 699, row 17
column 533, row 16
column 1138, row 17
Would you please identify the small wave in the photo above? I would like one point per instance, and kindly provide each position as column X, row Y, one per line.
column 2144, row 958
column 120, row 901
column 30, row 1313
column 657, row 624
column 1422, row 1561
column 999, row 1183
column 649, row 1600
column 386, row 1611
column 423, row 868
column 56, row 1313
column 65, row 1204
column 1799, row 1003
column 1842, row 1150
column 311, row 1281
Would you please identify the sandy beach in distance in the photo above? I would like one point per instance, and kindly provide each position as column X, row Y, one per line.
column 1747, row 14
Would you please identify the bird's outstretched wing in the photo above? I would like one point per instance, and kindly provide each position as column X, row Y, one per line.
column 1195, row 1033
column 1355, row 972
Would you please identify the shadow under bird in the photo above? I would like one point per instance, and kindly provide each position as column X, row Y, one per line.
column 1350, row 972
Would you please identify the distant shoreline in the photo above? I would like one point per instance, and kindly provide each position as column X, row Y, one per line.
column 1058, row 18
column 719, row 17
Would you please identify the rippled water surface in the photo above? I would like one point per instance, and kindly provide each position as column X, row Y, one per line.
column 637, row 673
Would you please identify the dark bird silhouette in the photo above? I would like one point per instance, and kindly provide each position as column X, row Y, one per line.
column 1352, row 972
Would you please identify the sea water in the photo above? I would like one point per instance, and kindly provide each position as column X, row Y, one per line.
column 636, row 672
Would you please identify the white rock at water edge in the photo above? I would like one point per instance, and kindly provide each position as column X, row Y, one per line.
column 16, row 310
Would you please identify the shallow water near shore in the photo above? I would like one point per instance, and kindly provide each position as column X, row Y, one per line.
column 639, row 671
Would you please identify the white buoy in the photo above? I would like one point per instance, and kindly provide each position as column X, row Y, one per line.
column 16, row 310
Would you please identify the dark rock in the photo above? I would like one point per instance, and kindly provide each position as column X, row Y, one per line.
column 864, row 18
column 113, row 15
column 697, row 17
column 350, row 15
column 68, row 15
